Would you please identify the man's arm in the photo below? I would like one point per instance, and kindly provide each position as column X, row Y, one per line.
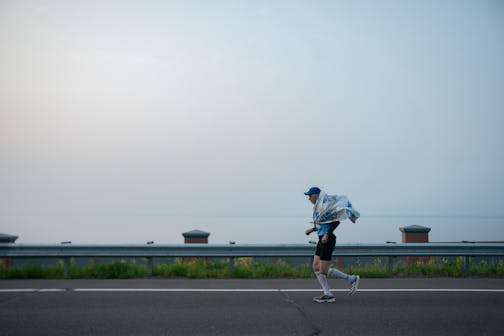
column 333, row 226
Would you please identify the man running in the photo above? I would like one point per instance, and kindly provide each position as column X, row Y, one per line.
column 328, row 212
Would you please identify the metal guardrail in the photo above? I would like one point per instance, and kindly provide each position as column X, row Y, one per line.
column 244, row 250
column 151, row 251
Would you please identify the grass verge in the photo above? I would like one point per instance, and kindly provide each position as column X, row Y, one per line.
column 246, row 268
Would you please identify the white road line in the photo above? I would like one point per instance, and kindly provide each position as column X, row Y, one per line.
column 283, row 290
column 52, row 290
column 175, row 290
column 256, row 290
column 31, row 290
column 18, row 290
column 433, row 290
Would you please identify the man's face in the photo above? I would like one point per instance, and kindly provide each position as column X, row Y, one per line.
column 313, row 198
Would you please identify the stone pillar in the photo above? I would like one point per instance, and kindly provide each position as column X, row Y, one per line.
column 196, row 237
column 415, row 234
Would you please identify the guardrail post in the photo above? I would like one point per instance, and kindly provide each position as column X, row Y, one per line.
column 66, row 267
column 390, row 265
column 231, row 265
column 465, row 265
column 150, row 266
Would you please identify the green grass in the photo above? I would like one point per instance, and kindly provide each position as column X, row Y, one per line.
column 195, row 268
column 32, row 272
column 247, row 268
column 378, row 269
column 429, row 268
column 112, row 270
column 446, row 268
column 243, row 268
column 93, row 270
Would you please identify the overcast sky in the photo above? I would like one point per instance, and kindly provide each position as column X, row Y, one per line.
column 235, row 108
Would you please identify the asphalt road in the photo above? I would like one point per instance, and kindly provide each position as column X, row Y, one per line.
column 251, row 307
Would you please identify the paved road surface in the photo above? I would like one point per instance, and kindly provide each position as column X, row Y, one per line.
column 250, row 307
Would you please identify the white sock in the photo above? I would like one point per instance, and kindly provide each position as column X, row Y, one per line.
column 322, row 279
column 334, row 272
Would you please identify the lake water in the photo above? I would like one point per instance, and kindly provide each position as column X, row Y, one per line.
column 247, row 230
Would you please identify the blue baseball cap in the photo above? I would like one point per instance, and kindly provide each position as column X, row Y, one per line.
column 312, row 191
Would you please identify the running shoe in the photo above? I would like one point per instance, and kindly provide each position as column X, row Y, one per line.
column 324, row 298
column 354, row 285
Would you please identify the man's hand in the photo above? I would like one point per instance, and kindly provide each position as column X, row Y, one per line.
column 325, row 238
column 310, row 230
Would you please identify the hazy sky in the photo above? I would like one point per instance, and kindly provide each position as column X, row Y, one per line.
column 236, row 107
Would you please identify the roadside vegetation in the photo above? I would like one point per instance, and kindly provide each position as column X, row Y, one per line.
column 247, row 268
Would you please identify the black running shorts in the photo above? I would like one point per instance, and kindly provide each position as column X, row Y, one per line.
column 324, row 251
